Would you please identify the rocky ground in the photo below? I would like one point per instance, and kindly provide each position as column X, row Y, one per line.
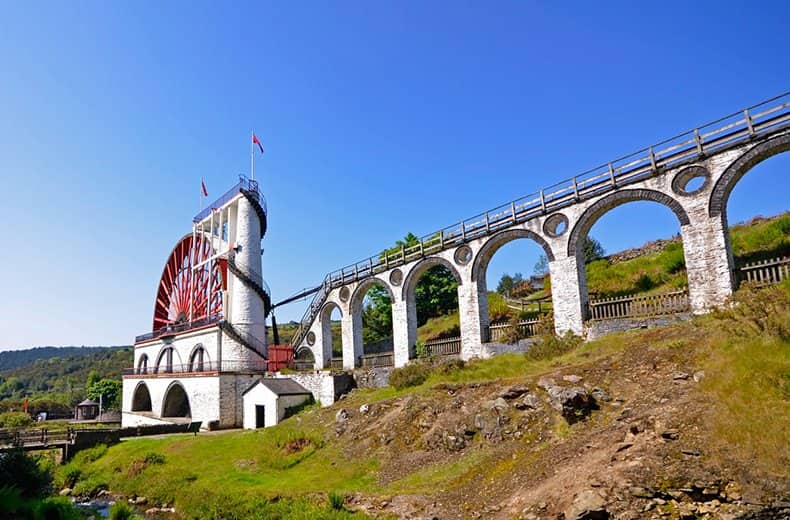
column 627, row 437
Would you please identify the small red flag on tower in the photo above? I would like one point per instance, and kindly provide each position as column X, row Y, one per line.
column 203, row 188
column 256, row 141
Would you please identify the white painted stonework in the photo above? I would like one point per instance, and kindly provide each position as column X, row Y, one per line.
column 274, row 405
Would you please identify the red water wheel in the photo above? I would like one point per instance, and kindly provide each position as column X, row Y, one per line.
column 186, row 294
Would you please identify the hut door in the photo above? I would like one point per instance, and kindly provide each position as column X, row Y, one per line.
column 260, row 421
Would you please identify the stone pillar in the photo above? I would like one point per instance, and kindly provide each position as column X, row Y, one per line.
column 708, row 261
column 568, row 294
column 352, row 339
column 469, row 309
column 403, row 335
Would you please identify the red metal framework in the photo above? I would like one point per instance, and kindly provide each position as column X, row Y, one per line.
column 187, row 294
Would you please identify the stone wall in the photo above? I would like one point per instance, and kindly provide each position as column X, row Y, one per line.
column 325, row 386
column 596, row 329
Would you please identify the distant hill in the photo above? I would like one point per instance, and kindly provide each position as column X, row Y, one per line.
column 60, row 378
column 17, row 358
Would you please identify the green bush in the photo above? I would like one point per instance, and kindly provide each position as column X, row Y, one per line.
column 413, row 374
column 15, row 420
column 550, row 346
column 26, row 474
column 337, row 501
column 122, row 511
column 152, row 458
column 758, row 311
column 56, row 508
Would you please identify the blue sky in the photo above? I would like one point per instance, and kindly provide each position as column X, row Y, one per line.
column 378, row 118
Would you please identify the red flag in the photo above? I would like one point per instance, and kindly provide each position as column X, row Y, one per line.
column 256, row 141
column 203, row 187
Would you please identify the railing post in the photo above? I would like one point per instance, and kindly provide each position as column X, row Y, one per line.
column 422, row 247
column 575, row 189
column 488, row 224
column 403, row 253
column 698, row 140
column 749, row 122
column 653, row 164
column 542, row 202
column 611, row 176
column 441, row 240
column 463, row 232
column 513, row 210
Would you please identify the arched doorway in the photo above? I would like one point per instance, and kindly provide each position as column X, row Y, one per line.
column 371, row 308
column 176, row 402
column 141, row 399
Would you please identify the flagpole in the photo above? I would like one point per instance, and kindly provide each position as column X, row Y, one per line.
column 201, row 195
column 252, row 156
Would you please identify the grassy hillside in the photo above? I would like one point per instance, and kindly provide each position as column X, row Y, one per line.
column 60, row 380
column 686, row 406
column 18, row 358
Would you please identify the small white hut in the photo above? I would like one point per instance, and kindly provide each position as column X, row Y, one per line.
column 267, row 401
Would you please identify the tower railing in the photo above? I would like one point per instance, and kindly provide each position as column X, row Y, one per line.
column 765, row 118
column 243, row 184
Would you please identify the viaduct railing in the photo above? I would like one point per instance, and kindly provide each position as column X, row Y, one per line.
column 498, row 331
column 35, row 438
column 732, row 130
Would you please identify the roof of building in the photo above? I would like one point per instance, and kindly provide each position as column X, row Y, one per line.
column 88, row 402
column 280, row 386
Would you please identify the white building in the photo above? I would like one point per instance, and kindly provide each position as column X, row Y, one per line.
column 269, row 400
column 208, row 340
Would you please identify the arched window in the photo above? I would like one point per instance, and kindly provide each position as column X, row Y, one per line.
column 196, row 361
column 164, row 364
column 142, row 364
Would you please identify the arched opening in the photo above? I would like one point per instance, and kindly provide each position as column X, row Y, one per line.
column 632, row 255
column 371, row 307
column 431, row 294
column 512, row 270
column 176, row 402
column 755, row 210
column 304, row 359
column 142, row 364
column 141, row 399
column 164, row 363
column 331, row 335
column 198, row 361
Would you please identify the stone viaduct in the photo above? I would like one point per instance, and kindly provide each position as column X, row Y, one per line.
column 691, row 174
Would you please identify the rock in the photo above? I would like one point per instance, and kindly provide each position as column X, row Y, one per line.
column 670, row 435
column 514, row 392
column 572, row 378
column 601, row 395
column 528, row 401
column 546, row 383
column 500, row 405
column 693, row 453
column 624, row 446
column 680, row 376
column 341, row 421
column 365, row 408
column 65, row 492
column 698, row 375
column 588, row 505
column 574, row 402
column 140, row 500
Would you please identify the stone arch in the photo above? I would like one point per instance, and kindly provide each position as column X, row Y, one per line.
column 141, row 398
column 493, row 244
column 717, row 205
column 176, row 401
column 423, row 265
column 364, row 286
column 142, row 364
column 198, row 358
column 325, row 323
column 304, row 353
column 591, row 215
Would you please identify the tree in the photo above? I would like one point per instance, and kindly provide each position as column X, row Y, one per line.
column 507, row 283
column 593, row 250
column 377, row 315
column 93, row 378
column 110, row 392
column 541, row 266
column 436, row 293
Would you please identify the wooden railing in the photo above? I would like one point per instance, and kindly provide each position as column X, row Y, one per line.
column 635, row 306
column 336, row 364
column 382, row 359
column 22, row 438
column 759, row 120
column 443, row 347
column 522, row 304
column 765, row 272
column 497, row 331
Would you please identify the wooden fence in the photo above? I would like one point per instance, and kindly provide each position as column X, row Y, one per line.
column 382, row 359
column 635, row 306
column 765, row 272
column 497, row 331
column 443, row 347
